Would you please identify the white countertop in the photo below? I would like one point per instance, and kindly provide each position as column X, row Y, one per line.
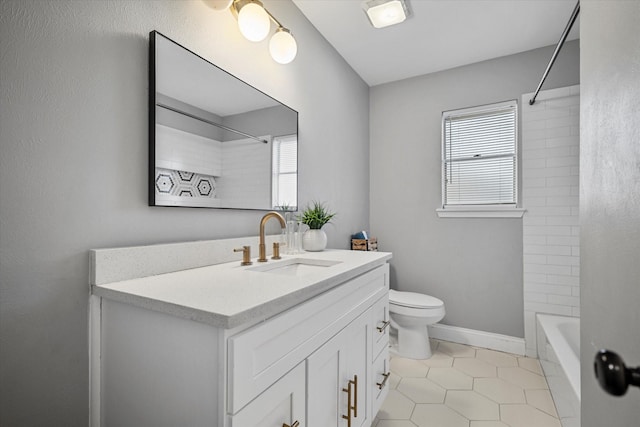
column 229, row 295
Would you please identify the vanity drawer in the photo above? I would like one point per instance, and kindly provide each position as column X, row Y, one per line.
column 380, row 381
column 380, row 326
column 259, row 356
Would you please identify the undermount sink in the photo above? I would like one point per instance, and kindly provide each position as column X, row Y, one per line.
column 295, row 266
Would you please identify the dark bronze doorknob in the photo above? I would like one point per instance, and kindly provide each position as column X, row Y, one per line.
column 614, row 377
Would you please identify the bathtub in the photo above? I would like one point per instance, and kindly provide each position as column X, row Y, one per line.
column 558, row 343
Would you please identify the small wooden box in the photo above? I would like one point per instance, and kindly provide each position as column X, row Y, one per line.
column 370, row 244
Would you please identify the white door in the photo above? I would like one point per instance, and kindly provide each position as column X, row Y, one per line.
column 610, row 201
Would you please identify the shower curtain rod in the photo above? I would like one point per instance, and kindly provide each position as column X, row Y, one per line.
column 184, row 113
column 563, row 37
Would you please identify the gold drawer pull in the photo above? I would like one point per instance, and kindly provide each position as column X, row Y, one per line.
column 350, row 394
column 384, row 381
column 383, row 327
column 355, row 398
column 295, row 424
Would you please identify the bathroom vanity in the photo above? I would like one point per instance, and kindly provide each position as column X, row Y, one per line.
column 183, row 335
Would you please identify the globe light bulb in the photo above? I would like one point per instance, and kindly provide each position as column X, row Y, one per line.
column 254, row 22
column 283, row 46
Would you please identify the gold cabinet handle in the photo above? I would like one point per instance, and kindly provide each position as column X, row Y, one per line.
column 351, row 395
column 295, row 424
column 348, row 416
column 384, row 381
column 384, row 326
column 355, row 398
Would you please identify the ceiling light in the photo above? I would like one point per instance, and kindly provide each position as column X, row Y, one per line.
column 283, row 46
column 382, row 13
column 254, row 22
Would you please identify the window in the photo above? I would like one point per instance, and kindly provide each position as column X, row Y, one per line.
column 479, row 158
column 285, row 172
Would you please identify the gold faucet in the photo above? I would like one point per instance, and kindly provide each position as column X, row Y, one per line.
column 263, row 221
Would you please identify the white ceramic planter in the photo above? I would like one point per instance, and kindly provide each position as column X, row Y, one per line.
column 314, row 240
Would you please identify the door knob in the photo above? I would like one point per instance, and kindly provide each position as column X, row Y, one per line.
column 614, row 377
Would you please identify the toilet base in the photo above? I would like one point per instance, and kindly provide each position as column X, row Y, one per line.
column 412, row 343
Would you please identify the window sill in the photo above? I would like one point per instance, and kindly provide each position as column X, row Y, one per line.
column 480, row 212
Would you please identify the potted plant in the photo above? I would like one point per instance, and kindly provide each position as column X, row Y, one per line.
column 315, row 215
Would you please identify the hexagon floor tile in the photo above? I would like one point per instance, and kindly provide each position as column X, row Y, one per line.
column 472, row 405
column 523, row 378
column 467, row 387
column 421, row 390
column 499, row 390
column 408, row 367
column 475, row 368
column 396, row 407
column 437, row 415
column 497, row 358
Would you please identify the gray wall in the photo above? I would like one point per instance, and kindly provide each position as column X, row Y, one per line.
column 473, row 265
column 73, row 167
column 609, row 200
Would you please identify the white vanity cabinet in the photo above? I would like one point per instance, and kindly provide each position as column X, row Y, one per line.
column 319, row 363
column 333, row 334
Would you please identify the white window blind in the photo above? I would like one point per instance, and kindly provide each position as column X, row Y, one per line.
column 479, row 155
column 285, row 172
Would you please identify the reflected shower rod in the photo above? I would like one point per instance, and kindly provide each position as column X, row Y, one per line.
column 184, row 113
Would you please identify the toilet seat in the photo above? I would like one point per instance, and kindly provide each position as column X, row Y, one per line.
column 413, row 300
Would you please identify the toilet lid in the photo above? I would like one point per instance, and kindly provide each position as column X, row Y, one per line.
column 413, row 299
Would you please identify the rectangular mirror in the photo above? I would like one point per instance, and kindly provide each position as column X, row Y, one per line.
column 214, row 140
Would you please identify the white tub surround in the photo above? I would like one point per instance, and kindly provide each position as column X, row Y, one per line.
column 558, row 344
column 260, row 340
column 551, row 232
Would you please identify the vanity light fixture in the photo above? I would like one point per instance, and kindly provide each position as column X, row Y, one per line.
column 383, row 13
column 254, row 22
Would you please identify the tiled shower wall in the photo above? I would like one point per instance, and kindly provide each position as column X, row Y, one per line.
column 550, row 177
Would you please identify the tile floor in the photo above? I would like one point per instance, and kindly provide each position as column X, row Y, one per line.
column 464, row 386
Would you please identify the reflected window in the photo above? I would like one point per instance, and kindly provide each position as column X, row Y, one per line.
column 285, row 172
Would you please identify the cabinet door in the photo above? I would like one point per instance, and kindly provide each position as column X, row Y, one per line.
column 357, row 364
column 337, row 385
column 325, row 399
column 281, row 404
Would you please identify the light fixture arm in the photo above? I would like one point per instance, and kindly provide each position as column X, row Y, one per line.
column 239, row 4
column 273, row 18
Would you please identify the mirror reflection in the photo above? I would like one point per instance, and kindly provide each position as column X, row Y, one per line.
column 215, row 141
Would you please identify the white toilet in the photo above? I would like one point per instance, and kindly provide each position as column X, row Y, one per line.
column 410, row 314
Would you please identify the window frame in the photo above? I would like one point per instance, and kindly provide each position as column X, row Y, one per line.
column 491, row 210
column 275, row 187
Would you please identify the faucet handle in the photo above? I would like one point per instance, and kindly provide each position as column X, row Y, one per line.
column 246, row 254
column 276, row 250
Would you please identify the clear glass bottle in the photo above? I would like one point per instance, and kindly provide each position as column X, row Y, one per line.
column 290, row 247
column 298, row 239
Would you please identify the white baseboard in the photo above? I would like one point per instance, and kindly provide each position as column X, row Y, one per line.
column 475, row 338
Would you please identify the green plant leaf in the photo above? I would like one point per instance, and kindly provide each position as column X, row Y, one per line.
column 316, row 215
